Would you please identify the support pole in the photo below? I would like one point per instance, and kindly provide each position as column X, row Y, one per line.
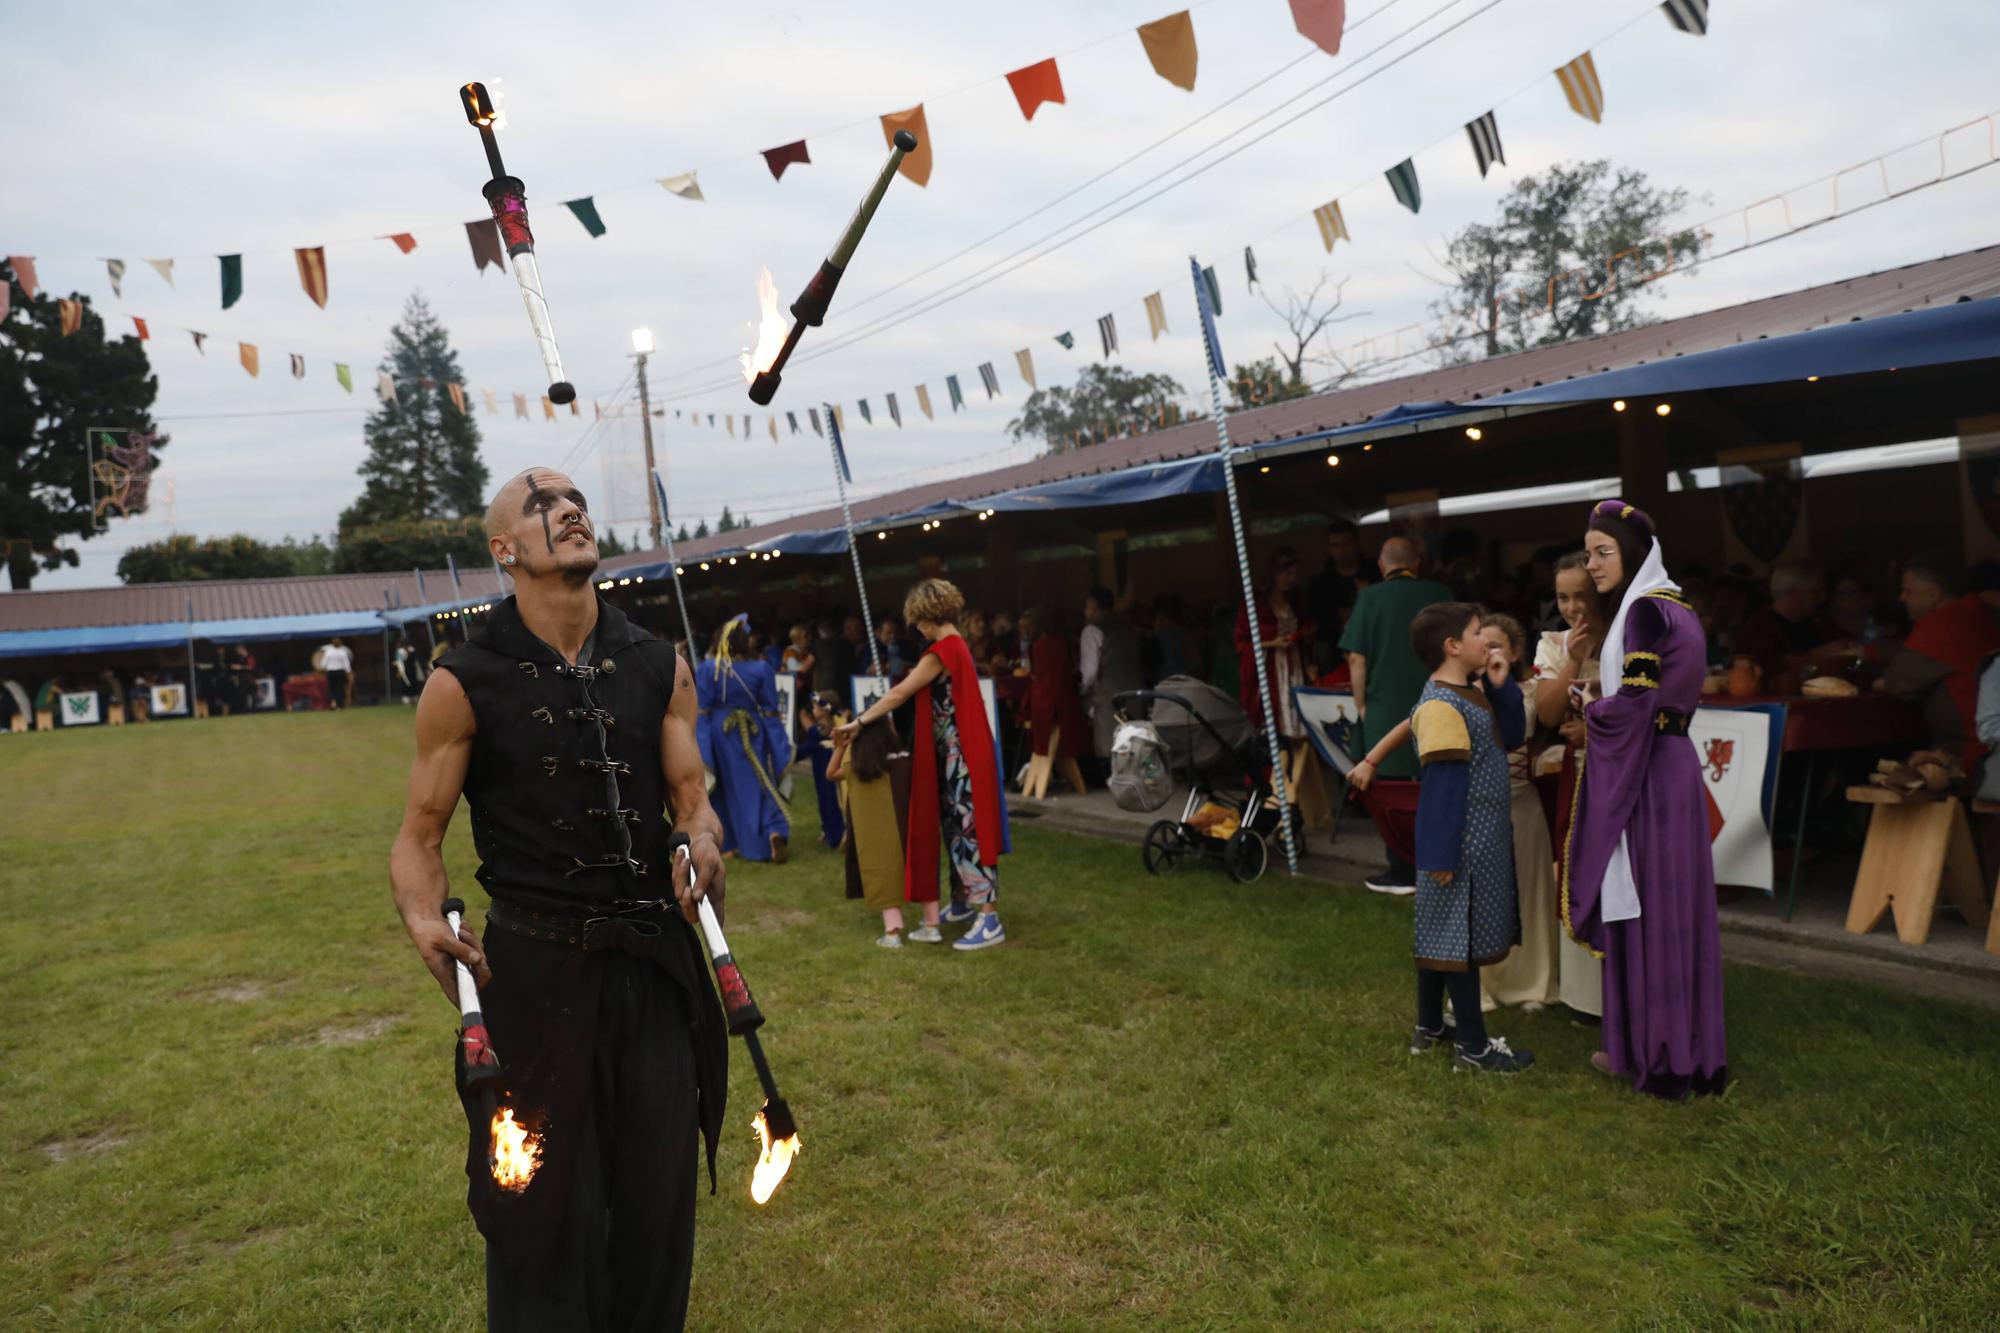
column 654, row 501
column 194, row 681
column 853, row 550
column 673, row 560
column 1264, row 691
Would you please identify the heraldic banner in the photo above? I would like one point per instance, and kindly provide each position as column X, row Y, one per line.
column 1739, row 773
column 78, row 710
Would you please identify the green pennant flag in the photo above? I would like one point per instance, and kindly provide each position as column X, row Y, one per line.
column 232, row 280
column 1214, row 289
column 346, row 380
column 1067, row 340
column 586, row 213
column 1403, row 184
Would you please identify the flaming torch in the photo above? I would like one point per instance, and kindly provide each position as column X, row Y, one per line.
column 512, row 1153
column 777, row 1132
column 508, row 198
column 762, row 366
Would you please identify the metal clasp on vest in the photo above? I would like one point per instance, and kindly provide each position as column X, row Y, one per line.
column 598, row 812
column 592, row 715
column 545, row 715
column 550, row 763
column 612, row 766
column 563, row 824
column 528, row 667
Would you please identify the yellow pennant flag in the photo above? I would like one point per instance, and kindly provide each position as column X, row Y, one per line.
column 548, row 409
column 1169, row 44
column 924, row 400
column 774, row 428
column 1156, row 315
column 839, row 416
column 1027, row 365
column 72, row 315
column 248, row 356
column 1579, row 84
column 312, row 273
column 1332, row 226
column 916, row 163
column 457, row 392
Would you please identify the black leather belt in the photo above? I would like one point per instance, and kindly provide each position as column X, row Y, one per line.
column 1672, row 722
column 609, row 928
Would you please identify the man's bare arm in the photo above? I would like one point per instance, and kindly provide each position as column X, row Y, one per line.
column 1357, row 670
column 416, row 862
column 687, row 796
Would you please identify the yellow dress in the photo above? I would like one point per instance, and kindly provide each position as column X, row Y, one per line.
column 875, row 815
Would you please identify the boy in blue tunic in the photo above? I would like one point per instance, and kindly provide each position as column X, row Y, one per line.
column 1466, row 914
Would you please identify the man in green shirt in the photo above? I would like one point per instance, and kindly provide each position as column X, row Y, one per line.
column 1387, row 675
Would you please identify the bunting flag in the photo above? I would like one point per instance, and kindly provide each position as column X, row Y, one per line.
column 924, row 401
column 660, row 489
column 839, row 449
column 792, row 420
column 746, row 425
column 385, row 389
column 772, row 422
column 989, row 380
column 457, row 392
column 865, row 414
column 1036, row 84
column 199, row 339
column 1026, row 365
column 232, row 279
column 298, row 366
column 402, row 240
column 247, row 354
column 777, row 159
column 684, row 185
column 916, row 164
column 729, row 424
column 1156, row 315
column 6, row 300
column 548, row 409
column 952, row 392
column 1403, row 184
column 484, row 237
column 1579, row 84
column 492, row 407
column 1332, row 226
column 1485, row 136
column 312, row 273
column 586, row 213
column 812, row 415
column 839, row 419
column 895, row 412
column 116, row 268
column 1066, row 340
column 71, row 313
column 1250, row 265
column 1169, row 44
column 165, row 268
column 575, row 407
column 596, row 410
column 140, row 325
column 711, row 421
column 1214, row 289
column 1321, row 22
column 344, row 375
column 1690, row 16
column 1107, row 333
column 24, row 273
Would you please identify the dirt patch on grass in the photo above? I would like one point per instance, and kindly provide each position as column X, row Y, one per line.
column 242, row 992
column 340, row 1034
column 778, row 918
column 88, row 1145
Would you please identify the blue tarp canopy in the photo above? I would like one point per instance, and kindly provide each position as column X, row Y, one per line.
column 262, row 629
column 91, row 639
column 1133, row 485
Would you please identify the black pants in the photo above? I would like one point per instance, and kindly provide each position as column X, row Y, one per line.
column 1432, row 986
column 610, row 1242
column 336, row 688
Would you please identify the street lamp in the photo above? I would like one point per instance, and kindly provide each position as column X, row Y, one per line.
column 642, row 341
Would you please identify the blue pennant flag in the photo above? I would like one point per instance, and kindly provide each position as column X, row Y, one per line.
column 839, row 450
column 661, row 487
column 1215, row 364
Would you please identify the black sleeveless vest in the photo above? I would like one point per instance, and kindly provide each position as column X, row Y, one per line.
column 568, row 799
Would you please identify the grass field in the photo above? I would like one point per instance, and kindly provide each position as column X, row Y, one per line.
column 1178, row 1104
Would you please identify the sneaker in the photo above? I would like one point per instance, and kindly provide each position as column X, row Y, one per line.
column 892, row 940
column 926, row 935
column 1423, row 1039
column 1497, row 1058
column 957, row 912
column 986, row 931
column 1394, row 882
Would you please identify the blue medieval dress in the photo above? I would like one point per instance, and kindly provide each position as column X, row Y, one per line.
column 832, row 827
column 746, row 745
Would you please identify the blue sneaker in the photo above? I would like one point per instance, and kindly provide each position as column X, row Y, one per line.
column 958, row 912
column 986, row 931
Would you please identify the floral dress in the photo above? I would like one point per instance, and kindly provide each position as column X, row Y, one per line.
column 955, row 813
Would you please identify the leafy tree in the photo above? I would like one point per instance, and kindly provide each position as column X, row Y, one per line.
column 423, row 453
column 1567, row 258
column 1261, row 382
column 182, row 558
column 1105, row 402
column 53, row 389
column 412, row 544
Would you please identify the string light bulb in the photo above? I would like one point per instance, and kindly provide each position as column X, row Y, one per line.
column 1663, row 409
column 1618, row 405
column 1474, row 434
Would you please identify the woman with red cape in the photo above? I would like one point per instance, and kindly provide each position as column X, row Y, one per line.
column 955, row 795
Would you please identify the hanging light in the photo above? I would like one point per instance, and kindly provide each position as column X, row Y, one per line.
column 1812, row 379
column 1618, row 405
column 1474, row 434
column 1662, row 409
column 1333, row 460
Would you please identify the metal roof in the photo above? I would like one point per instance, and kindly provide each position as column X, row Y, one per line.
column 235, row 599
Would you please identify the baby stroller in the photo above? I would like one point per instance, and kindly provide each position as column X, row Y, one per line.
column 1205, row 737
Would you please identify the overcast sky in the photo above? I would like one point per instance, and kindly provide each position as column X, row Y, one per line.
column 141, row 132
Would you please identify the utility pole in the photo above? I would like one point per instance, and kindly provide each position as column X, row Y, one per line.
column 642, row 345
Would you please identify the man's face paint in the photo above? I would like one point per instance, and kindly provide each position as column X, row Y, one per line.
column 542, row 500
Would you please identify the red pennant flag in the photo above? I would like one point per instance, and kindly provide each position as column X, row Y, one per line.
column 140, row 325
column 404, row 241
column 916, row 167
column 1322, row 22
column 24, row 273
column 199, row 339
column 1035, row 85
column 777, row 159
column 484, row 236
column 312, row 273
column 72, row 315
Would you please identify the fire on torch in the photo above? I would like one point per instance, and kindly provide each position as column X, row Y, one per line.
column 777, row 1131
column 512, row 1153
column 763, row 366
column 508, row 198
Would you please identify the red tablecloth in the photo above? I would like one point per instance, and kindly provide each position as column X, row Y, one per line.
column 311, row 688
column 1867, row 721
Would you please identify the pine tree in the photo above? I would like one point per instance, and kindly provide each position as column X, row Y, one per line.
column 683, row 535
column 423, row 452
column 701, row 529
column 725, row 523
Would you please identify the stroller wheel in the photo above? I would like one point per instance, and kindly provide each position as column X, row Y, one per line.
column 1246, row 855
column 1163, row 847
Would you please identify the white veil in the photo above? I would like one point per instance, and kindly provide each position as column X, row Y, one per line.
column 1619, row 899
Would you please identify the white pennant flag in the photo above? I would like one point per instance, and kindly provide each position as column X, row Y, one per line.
column 165, row 268
column 683, row 185
column 385, row 386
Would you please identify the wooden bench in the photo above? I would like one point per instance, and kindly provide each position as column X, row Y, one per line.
column 1992, row 925
column 1918, row 842
column 1042, row 767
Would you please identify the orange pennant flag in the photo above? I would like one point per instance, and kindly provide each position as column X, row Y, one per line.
column 72, row 315
column 248, row 356
column 1169, row 44
column 1321, row 21
column 916, row 164
column 312, row 273
column 404, row 241
column 1035, row 85
column 457, row 392
column 139, row 324
column 548, row 408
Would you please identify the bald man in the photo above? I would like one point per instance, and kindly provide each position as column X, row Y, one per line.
column 570, row 733
column 1388, row 677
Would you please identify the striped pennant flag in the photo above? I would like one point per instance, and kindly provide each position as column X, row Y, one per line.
column 792, row 420
column 1485, row 136
column 1156, row 315
column 1208, row 338
column 987, row 378
column 298, row 366
column 1403, row 184
column 1579, row 84
column 312, row 273
column 812, row 415
column 1690, row 16
column 866, row 415
column 1026, row 365
column 1332, row 226
column 1249, row 267
column 1107, row 332
column 924, row 400
column 839, row 450
column 957, row 395
column 895, row 412
column 1214, row 289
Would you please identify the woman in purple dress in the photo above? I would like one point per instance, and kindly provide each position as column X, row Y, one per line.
column 1638, row 880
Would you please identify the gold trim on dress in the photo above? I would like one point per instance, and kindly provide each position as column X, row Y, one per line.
column 1562, row 866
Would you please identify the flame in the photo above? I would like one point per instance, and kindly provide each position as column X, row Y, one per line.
column 771, row 328
column 773, row 1161
column 515, row 1153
